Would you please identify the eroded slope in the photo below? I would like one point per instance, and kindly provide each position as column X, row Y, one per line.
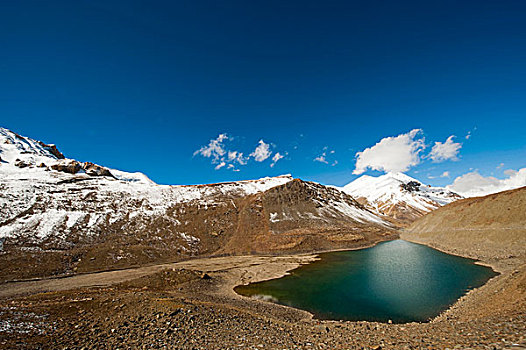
column 490, row 228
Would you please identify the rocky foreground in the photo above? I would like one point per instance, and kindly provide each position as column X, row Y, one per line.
column 191, row 305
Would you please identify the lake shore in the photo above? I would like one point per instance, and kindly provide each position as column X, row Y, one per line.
column 192, row 304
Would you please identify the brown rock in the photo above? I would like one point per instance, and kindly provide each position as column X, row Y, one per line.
column 205, row 276
column 67, row 166
column 96, row 170
column 21, row 164
column 52, row 149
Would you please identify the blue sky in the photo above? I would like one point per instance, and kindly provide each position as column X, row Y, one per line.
column 142, row 86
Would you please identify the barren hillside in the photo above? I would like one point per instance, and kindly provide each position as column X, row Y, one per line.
column 490, row 228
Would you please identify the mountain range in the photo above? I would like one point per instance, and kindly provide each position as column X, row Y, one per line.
column 60, row 215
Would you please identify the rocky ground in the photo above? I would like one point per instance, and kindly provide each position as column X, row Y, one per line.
column 191, row 305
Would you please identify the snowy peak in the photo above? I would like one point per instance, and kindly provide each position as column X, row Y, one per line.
column 24, row 155
column 398, row 195
column 400, row 177
column 15, row 147
column 381, row 187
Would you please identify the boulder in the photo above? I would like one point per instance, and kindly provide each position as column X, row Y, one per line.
column 72, row 167
column 96, row 170
column 411, row 186
column 67, row 166
column 21, row 164
column 205, row 276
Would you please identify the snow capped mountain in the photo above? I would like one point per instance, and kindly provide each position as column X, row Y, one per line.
column 23, row 155
column 59, row 215
column 398, row 195
column 20, row 152
column 35, row 174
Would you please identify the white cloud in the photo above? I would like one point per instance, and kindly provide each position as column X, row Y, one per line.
column 391, row 154
column 447, row 150
column 261, row 152
column 215, row 148
column 235, row 156
column 217, row 151
column 473, row 184
column 276, row 158
column 223, row 157
column 322, row 158
column 470, row 133
column 220, row 165
column 445, row 174
column 232, row 167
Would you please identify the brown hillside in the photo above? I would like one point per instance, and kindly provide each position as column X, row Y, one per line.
column 490, row 228
column 298, row 216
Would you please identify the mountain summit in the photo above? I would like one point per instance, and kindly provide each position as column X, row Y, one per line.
column 398, row 195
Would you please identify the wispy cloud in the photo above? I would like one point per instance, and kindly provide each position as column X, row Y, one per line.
column 322, row 158
column 447, row 150
column 215, row 149
column 276, row 158
column 261, row 152
column 237, row 157
column 223, row 157
column 220, row 165
column 470, row 133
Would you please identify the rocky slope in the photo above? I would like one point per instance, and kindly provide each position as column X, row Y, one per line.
column 59, row 215
column 176, row 308
column 398, row 196
column 490, row 228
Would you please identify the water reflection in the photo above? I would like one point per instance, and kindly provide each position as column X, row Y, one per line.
column 397, row 280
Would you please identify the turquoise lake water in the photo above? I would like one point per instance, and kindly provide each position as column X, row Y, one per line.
column 396, row 280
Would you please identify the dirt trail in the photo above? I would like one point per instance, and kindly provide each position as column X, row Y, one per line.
column 264, row 267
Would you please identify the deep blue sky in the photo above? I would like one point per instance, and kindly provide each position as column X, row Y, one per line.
column 140, row 86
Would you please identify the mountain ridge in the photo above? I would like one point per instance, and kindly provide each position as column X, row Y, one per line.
column 66, row 217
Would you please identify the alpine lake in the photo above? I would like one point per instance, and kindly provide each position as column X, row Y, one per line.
column 395, row 281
